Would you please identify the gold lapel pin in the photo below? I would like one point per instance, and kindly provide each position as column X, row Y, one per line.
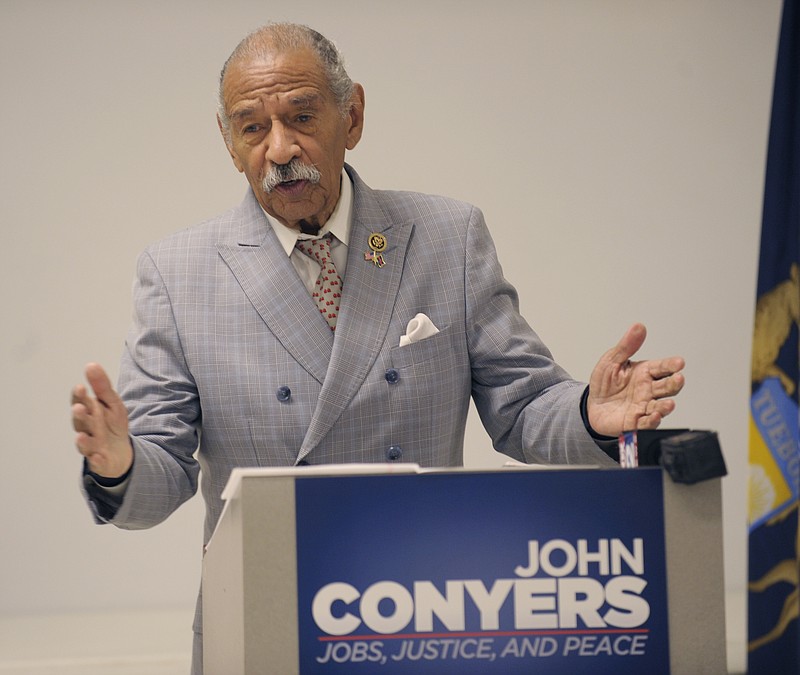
column 377, row 244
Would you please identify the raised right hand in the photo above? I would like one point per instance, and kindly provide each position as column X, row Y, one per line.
column 101, row 423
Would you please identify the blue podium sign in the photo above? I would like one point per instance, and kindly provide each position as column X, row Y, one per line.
column 479, row 573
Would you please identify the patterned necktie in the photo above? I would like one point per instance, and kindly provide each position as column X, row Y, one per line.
column 328, row 287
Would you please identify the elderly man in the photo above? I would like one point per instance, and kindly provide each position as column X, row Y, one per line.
column 322, row 321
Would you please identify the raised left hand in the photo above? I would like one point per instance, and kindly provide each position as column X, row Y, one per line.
column 625, row 395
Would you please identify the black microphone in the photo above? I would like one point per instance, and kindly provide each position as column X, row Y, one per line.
column 687, row 455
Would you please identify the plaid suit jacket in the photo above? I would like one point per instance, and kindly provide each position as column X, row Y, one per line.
column 229, row 363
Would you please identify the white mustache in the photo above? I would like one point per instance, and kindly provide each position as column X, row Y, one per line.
column 293, row 170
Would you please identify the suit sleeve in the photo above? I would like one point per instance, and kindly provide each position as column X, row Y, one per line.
column 528, row 404
column 163, row 409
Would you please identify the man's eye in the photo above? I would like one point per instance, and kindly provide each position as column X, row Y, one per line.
column 250, row 129
column 303, row 119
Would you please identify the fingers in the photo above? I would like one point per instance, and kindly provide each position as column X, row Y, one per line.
column 83, row 407
column 88, row 422
column 650, row 415
column 659, row 409
column 648, row 422
column 658, row 403
column 630, row 343
column 668, row 386
column 666, row 367
column 626, row 394
column 101, row 424
column 101, row 385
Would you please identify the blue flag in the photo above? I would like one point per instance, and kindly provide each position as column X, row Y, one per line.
column 774, row 565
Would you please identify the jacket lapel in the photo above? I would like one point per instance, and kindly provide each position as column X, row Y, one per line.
column 270, row 282
column 368, row 299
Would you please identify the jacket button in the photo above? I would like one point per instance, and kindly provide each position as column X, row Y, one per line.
column 391, row 376
column 394, row 453
column 283, row 393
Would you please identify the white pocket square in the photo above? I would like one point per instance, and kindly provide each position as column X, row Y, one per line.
column 419, row 328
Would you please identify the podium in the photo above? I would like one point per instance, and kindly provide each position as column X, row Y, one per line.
column 373, row 569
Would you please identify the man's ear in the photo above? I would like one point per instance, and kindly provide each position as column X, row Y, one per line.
column 226, row 136
column 355, row 117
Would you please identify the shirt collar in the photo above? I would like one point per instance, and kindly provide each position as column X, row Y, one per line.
column 338, row 224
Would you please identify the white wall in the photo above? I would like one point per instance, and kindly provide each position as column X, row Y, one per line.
column 616, row 147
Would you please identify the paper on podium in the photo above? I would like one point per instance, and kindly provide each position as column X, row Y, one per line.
column 234, row 484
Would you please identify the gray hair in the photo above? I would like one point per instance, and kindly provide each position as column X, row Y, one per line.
column 284, row 37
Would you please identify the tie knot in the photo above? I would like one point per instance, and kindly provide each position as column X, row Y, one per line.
column 319, row 249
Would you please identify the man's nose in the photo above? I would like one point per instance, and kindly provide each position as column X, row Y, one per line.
column 282, row 145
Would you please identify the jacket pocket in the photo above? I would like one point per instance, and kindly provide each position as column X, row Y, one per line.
column 438, row 346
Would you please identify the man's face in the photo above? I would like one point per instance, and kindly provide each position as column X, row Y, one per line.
column 281, row 109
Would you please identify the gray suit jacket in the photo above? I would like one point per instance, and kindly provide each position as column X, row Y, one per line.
column 223, row 325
